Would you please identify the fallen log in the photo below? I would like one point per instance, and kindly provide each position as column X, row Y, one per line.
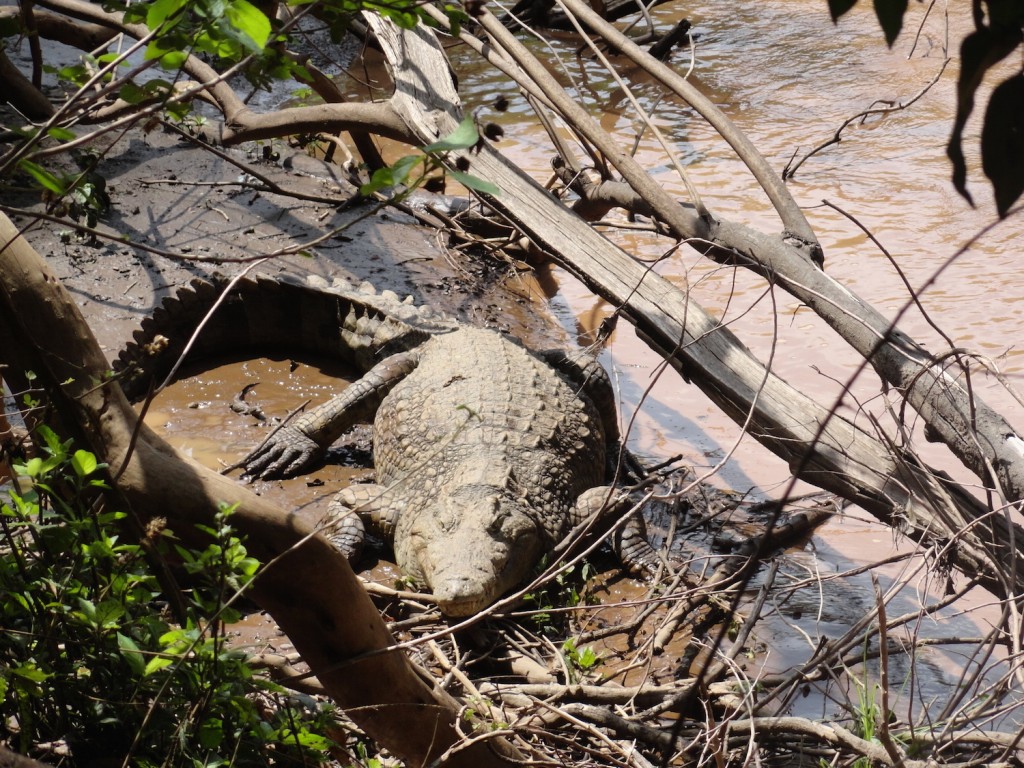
column 305, row 583
column 820, row 446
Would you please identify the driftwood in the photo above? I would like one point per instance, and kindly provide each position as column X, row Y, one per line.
column 306, row 585
column 820, row 447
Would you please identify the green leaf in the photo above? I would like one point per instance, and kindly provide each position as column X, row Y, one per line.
column 84, row 463
column 839, row 7
column 109, row 613
column 43, row 177
column 1002, row 142
column 211, row 733
column 162, row 10
column 251, row 22
column 155, row 664
column 54, row 444
column 391, row 176
column 61, row 134
column 87, row 609
column 173, row 60
column 171, row 57
column 306, row 739
column 131, row 93
column 30, row 672
column 31, row 468
column 890, row 16
column 131, row 654
column 474, row 183
column 463, row 137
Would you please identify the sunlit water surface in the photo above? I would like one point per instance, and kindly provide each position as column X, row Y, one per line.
column 789, row 78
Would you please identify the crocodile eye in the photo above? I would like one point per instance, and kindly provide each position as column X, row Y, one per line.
column 512, row 525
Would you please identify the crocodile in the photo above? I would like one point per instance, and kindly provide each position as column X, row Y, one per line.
column 486, row 453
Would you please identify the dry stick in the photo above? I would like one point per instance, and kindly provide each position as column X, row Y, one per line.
column 900, row 360
column 883, row 676
column 790, row 170
column 854, row 637
column 832, row 734
column 772, row 539
column 568, row 714
column 920, row 29
column 754, row 613
column 784, row 728
column 14, row 155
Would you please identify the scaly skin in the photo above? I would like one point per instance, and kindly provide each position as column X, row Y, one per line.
column 487, row 455
column 482, row 452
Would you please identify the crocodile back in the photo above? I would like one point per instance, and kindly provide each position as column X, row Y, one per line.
column 482, row 419
column 265, row 314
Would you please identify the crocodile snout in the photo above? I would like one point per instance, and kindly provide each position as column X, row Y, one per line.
column 459, row 596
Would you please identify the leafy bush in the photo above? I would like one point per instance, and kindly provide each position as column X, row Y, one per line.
column 89, row 655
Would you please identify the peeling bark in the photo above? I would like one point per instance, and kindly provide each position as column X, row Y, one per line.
column 820, row 447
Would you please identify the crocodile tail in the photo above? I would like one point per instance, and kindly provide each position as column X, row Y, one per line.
column 277, row 314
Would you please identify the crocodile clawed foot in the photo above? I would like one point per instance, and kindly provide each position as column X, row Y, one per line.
column 286, row 453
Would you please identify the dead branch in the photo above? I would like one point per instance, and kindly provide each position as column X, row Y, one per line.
column 306, row 585
column 821, row 446
column 791, row 168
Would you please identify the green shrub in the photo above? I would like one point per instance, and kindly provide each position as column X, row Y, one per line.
column 90, row 656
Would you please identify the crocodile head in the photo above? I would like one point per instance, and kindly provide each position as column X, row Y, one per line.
column 469, row 547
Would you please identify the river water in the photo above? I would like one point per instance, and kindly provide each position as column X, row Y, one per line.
column 789, row 78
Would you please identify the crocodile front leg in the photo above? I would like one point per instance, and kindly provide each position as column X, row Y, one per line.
column 297, row 446
column 346, row 528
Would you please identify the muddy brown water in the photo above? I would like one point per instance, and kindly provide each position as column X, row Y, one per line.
column 788, row 78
